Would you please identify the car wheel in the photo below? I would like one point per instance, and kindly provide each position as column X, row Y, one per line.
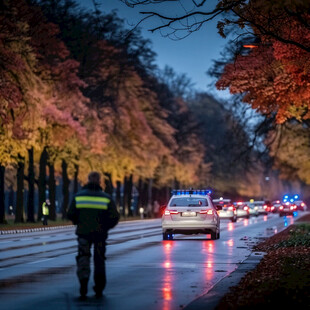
column 165, row 236
column 213, row 235
column 234, row 219
column 218, row 235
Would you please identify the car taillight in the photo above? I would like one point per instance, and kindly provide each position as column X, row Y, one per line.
column 265, row 207
column 230, row 208
column 168, row 212
column 210, row 212
column 272, row 208
column 281, row 208
column 302, row 204
column 292, row 207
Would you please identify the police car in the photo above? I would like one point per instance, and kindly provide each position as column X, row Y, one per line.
column 190, row 212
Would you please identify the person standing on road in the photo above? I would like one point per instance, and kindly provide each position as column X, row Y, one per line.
column 45, row 210
column 94, row 212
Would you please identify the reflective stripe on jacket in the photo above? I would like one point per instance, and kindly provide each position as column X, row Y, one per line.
column 93, row 211
column 92, row 202
column 45, row 210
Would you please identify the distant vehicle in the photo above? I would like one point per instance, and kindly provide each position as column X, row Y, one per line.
column 243, row 210
column 253, row 210
column 262, row 207
column 300, row 205
column 190, row 212
column 258, row 207
column 275, row 205
column 228, row 210
column 288, row 208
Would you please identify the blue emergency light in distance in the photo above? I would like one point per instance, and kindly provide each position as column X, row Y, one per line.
column 191, row 192
column 287, row 198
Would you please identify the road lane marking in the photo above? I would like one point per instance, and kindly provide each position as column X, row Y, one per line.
column 40, row 261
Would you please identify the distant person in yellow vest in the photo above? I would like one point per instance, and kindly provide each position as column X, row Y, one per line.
column 45, row 210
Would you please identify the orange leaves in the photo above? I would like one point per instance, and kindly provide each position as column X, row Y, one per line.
column 267, row 85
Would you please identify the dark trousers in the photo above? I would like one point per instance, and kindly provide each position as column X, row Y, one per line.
column 83, row 259
column 45, row 218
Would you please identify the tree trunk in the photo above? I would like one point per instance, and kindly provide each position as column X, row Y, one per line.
column 42, row 181
column 65, row 189
column 76, row 181
column 129, row 195
column 142, row 189
column 118, row 195
column 52, row 192
column 108, row 184
column 150, row 198
column 19, row 217
column 2, row 197
column 140, row 185
column 30, row 205
column 125, row 198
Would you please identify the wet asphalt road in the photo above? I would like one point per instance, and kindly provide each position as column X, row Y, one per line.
column 37, row 269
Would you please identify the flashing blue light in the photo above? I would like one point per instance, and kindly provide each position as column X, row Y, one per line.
column 191, row 192
column 284, row 200
column 286, row 197
column 292, row 200
column 296, row 197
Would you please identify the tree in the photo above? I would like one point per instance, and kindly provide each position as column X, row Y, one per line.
column 265, row 17
column 289, row 146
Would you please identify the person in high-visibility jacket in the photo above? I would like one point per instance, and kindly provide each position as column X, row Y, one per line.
column 45, row 211
column 94, row 212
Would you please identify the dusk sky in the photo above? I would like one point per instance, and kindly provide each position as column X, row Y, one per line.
column 192, row 55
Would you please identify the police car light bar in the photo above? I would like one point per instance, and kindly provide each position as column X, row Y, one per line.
column 191, row 192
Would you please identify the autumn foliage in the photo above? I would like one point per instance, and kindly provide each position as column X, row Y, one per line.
column 274, row 76
column 83, row 100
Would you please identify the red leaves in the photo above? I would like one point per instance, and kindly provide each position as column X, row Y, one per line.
column 274, row 77
column 282, row 276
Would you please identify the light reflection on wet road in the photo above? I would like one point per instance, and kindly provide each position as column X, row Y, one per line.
column 143, row 271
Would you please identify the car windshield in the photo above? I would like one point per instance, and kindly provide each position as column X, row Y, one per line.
column 189, row 202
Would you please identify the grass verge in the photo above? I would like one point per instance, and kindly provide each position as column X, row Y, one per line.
column 282, row 278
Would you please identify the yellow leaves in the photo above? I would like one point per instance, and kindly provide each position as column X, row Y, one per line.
column 290, row 149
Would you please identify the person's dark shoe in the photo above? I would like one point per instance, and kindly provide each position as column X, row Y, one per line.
column 98, row 291
column 83, row 288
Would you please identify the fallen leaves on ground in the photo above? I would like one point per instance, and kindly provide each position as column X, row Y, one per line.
column 282, row 278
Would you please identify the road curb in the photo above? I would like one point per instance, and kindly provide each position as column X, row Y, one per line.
column 18, row 231
column 211, row 299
